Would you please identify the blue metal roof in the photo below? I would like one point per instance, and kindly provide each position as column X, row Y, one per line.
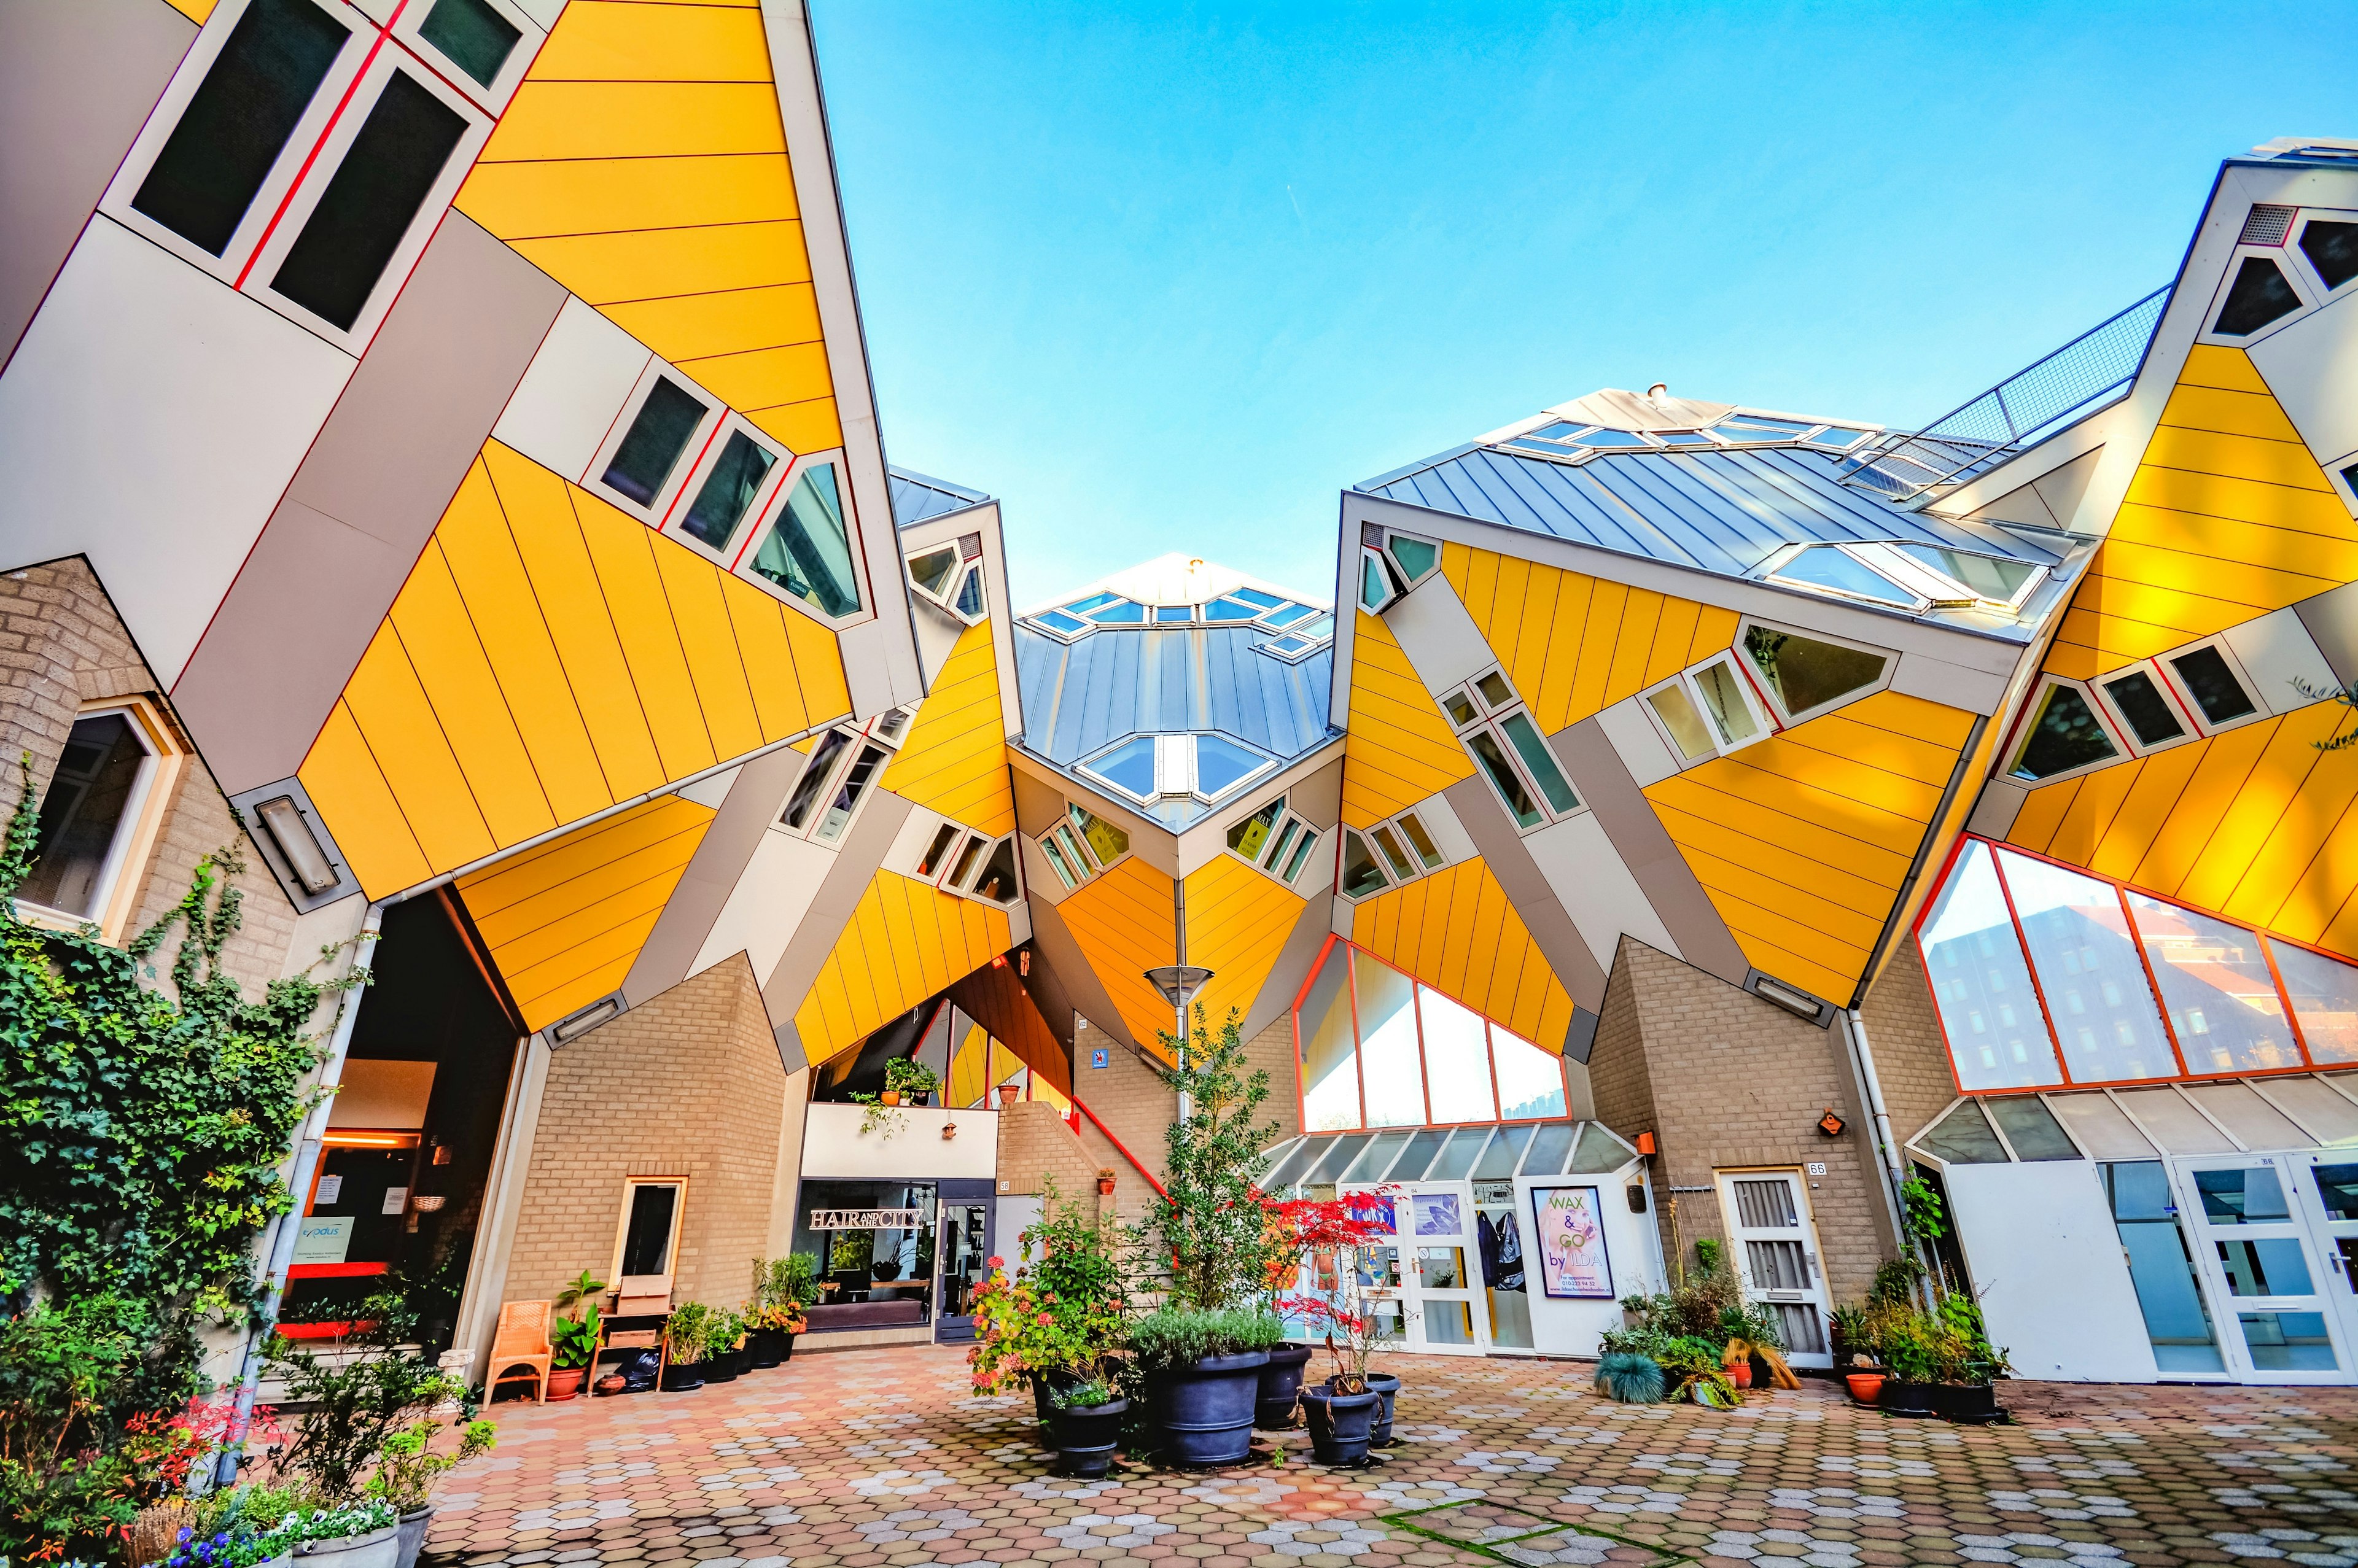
column 916, row 497
column 1721, row 511
column 1082, row 697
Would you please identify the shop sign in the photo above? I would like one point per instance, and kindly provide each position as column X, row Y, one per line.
column 866, row 1218
column 323, row 1239
column 1372, row 1209
column 1571, row 1237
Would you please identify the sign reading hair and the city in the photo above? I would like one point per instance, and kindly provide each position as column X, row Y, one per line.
column 866, row 1218
column 1569, row 1233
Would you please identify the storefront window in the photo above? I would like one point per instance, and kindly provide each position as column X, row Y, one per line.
column 873, row 1242
column 1377, row 1048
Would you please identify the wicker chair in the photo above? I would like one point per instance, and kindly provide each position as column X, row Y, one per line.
column 522, row 1341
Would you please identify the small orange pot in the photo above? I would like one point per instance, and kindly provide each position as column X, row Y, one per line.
column 890, row 1096
column 565, row 1382
column 1864, row 1387
column 1007, row 1093
column 1740, row 1373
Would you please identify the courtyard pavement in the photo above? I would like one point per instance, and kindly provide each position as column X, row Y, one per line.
column 882, row 1459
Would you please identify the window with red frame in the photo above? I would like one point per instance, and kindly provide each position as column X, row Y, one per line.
column 2046, row 976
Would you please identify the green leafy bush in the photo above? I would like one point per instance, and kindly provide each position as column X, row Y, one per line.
column 1209, row 1245
column 408, row 1467
column 352, row 1405
column 573, row 1341
column 1083, row 1396
column 687, row 1333
column 1179, row 1336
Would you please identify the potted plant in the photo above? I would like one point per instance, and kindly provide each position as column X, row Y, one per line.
column 1208, row 1250
column 573, row 1341
column 1086, row 1427
column 912, row 1080
column 687, row 1333
column 1343, row 1411
column 724, row 1356
column 1865, row 1379
column 409, row 1468
column 1054, row 1323
column 352, row 1408
column 1007, row 1093
column 784, row 1290
column 1300, row 1229
column 366, row 1533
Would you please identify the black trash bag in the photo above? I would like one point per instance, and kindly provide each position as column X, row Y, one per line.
column 638, row 1369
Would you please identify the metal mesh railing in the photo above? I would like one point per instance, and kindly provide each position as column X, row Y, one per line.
column 2086, row 372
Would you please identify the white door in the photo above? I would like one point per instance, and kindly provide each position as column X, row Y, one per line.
column 2264, row 1264
column 1776, row 1256
column 2330, row 1183
column 1440, row 1270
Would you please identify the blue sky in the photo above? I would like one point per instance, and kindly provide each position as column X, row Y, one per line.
column 1170, row 277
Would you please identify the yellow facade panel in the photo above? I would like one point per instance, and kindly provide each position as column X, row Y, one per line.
column 2328, row 556
column 2154, row 792
column 766, row 378
column 767, row 659
column 440, row 638
column 359, row 807
column 405, row 736
column 625, row 40
column 818, row 665
column 1784, row 921
column 955, row 757
column 2094, row 807
column 2253, row 414
column 2179, row 577
column 2221, row 764
column 1673, row 637
column 599, row 196
column 1420, row 927
column 541, row 518
column 596, row 968
column 550, row 120
column 2234, row 497
column 811, row 426
column 650, row 264
column 697, row 326
column 503, row 896
column 1237, row 921
column 1699, row 836
column 697, row 596
column 1400, row 749
column 2229, row 369
column 884, row 962
column 2269, row 459
column 1123, row 924
column 2244, row 828
column 1776, row 826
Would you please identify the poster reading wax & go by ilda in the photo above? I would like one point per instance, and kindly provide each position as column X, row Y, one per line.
column 1569, row 1233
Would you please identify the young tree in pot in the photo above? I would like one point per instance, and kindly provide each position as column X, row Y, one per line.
column 1302, row 1229
column 1209, row 1251
column 353, row 1406
column 685, row 1334
column 409, row 1469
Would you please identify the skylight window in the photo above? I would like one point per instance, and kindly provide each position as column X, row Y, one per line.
column 1682, row 437
column 1837, row 437
column 1093, row 602
column 1165, row 614
column 1253, row 596
column 1286, row 616
column 1121, row 612
column 1230, row 609
column 1753, row 428
column 1613, row 439
column 1147, row 768
column 1992, row 578
column 1057, row 621
column 1129, row 767
column 1221, row 765
column 1828, row 568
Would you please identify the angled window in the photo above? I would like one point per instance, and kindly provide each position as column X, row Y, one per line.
column 2063, row 736
column 1829, row 569
column 203, row 181
column 2216, row 984
column 970, row 604
column 1129, row 768
column 937, row 857
column 2331, row 248
column 996, row 882
column 1053, row 852
column 1416, row 560
column 1249, row 836
column 2258, row 296
column 1991, row 579
column 1361, row 877
column 1106, row 841
column 1674, row 708
column 99, row 802
column 808, row 550
column 725, row 494
column 2145, row 706
column 1376, row 588
column 1509, row 751
column 1286, row 615
column 1230, row 609
column 1981, row 981
column 2324, row 995
column 1419, row 843
column 846, row 802
column 1513, row 793
column 2210, row 678
column 1167, row 614
column 934, row 571
column 1063, row 625
column 965, row 862
column 1386, row 839
column 1092, row 603
column 1221, row 765
column 658, row 433
column 471, row 36
column 826, row 753
column 1807, row 674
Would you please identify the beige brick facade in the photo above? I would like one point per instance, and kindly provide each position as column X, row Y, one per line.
column 686, row 1085
column 1911, row 1055
column 62, row 646
column 1726, row 1081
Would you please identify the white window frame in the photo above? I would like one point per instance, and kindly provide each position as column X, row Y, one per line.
column 631, row 1186
column 406, row 20
column 2177, row 689
column 1068, row 855
column 1268, row 765
column 801, row 463
column 117, row 893
column 1760, row 684
column 951, row 833
column 2304, row 282
column 965, row 562
column 759, row 511
column 2019, row 741
column 1074, row 811
column 1400, row 568
column 691, row 458
column 1291, row 834
column 1937, row 588
column 952, row 881
column 1766, row 721
column 1415, row 863
column 1175, row 773
column 1088, row 766
column 1492, row 721
column 1344, row 834
column 2298, row 227
column 2190, row 717
column 860, row 739
column 1369, row 556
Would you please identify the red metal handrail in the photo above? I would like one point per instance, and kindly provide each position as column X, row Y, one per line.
column 1123, row 1148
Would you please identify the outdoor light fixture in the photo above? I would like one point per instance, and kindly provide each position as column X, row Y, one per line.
column 429, row 1204
column 1831, row 1124
column 1645, row 1144
column 604, row 1010
column 299, row 845
column 1178, row 983
column 1790, row 997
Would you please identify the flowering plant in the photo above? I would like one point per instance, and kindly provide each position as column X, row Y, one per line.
column 1341, row 1229
column 1065, row 1312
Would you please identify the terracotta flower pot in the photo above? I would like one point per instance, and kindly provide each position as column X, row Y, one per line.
column 1864, row 1387
column 890, row 1096
column 1007, row 1095
column 1740, row 1373
column 565, row 1382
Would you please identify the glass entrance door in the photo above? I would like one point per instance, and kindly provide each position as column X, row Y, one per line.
column 2258, row 1257
column 965, row 1263
column 1441, row 1271
column 1775, row 1257
column 2334, row 1187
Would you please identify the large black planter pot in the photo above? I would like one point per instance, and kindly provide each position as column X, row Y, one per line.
column 724, row 1365
column 1340, row 1425
column 1386, row 1388
column 680, row 1377
column 788, row 1354
column 768, row 1346
column 1909, row 1398
column 1054, row 1380
column 1975, row 1404
column 1205, row 1411
column 1085, row 1437
column 1280, row 1387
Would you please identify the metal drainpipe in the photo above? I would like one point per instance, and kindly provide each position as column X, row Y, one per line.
column 1887, row 1146
column 290, row 1224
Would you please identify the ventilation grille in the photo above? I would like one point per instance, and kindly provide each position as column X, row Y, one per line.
column 2266, row 226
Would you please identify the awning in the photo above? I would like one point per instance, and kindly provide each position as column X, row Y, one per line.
column 1444, row 1154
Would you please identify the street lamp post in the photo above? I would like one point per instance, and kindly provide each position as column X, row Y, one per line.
column 1178, row 983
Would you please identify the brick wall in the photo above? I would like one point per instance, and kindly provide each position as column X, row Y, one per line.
column 1911, row 1055
column 686, row 1084
column 1734, row 1082
column 61, row 645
